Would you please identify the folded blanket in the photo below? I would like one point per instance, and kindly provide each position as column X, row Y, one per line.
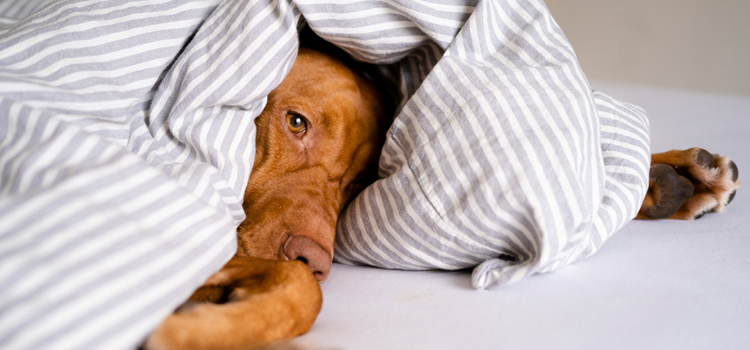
column 127, row 138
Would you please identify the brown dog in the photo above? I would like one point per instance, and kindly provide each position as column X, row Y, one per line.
column 318, row 144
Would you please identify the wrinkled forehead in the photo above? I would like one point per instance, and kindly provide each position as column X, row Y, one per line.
column 321, row 77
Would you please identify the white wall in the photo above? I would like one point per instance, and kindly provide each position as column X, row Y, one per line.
column 686, row 44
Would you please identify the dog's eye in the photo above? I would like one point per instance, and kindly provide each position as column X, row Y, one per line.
column 296, row 123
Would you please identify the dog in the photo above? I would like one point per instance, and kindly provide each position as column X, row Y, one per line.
column 318, row 144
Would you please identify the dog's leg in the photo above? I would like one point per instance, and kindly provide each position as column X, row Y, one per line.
column 687, row 184
column 247, row 304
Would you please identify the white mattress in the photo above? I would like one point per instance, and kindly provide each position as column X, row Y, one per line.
column 653, row 285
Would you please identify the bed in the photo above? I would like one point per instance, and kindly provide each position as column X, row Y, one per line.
column 128, row 138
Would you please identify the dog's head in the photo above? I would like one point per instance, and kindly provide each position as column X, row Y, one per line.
column 318, row 144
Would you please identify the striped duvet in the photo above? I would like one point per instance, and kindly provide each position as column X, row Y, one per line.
column 127, row 138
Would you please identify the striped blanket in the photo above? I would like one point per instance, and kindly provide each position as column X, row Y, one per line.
column 127, row 138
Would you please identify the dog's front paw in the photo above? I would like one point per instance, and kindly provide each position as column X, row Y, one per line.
column 249, row 303
column 687, row 184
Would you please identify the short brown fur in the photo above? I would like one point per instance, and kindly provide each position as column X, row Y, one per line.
column 299, row 185
column 687, row 184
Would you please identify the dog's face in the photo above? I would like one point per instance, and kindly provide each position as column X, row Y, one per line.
column 318, row 143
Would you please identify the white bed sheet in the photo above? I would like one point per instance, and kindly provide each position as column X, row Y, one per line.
column 654, row 285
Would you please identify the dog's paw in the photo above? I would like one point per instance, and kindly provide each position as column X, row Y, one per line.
column 687, row 184
column 249, row 303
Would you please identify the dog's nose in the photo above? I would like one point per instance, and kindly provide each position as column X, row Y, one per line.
column 311, row 253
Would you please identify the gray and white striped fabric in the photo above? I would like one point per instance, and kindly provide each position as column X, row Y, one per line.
column 502, row 157
column 127, row 138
